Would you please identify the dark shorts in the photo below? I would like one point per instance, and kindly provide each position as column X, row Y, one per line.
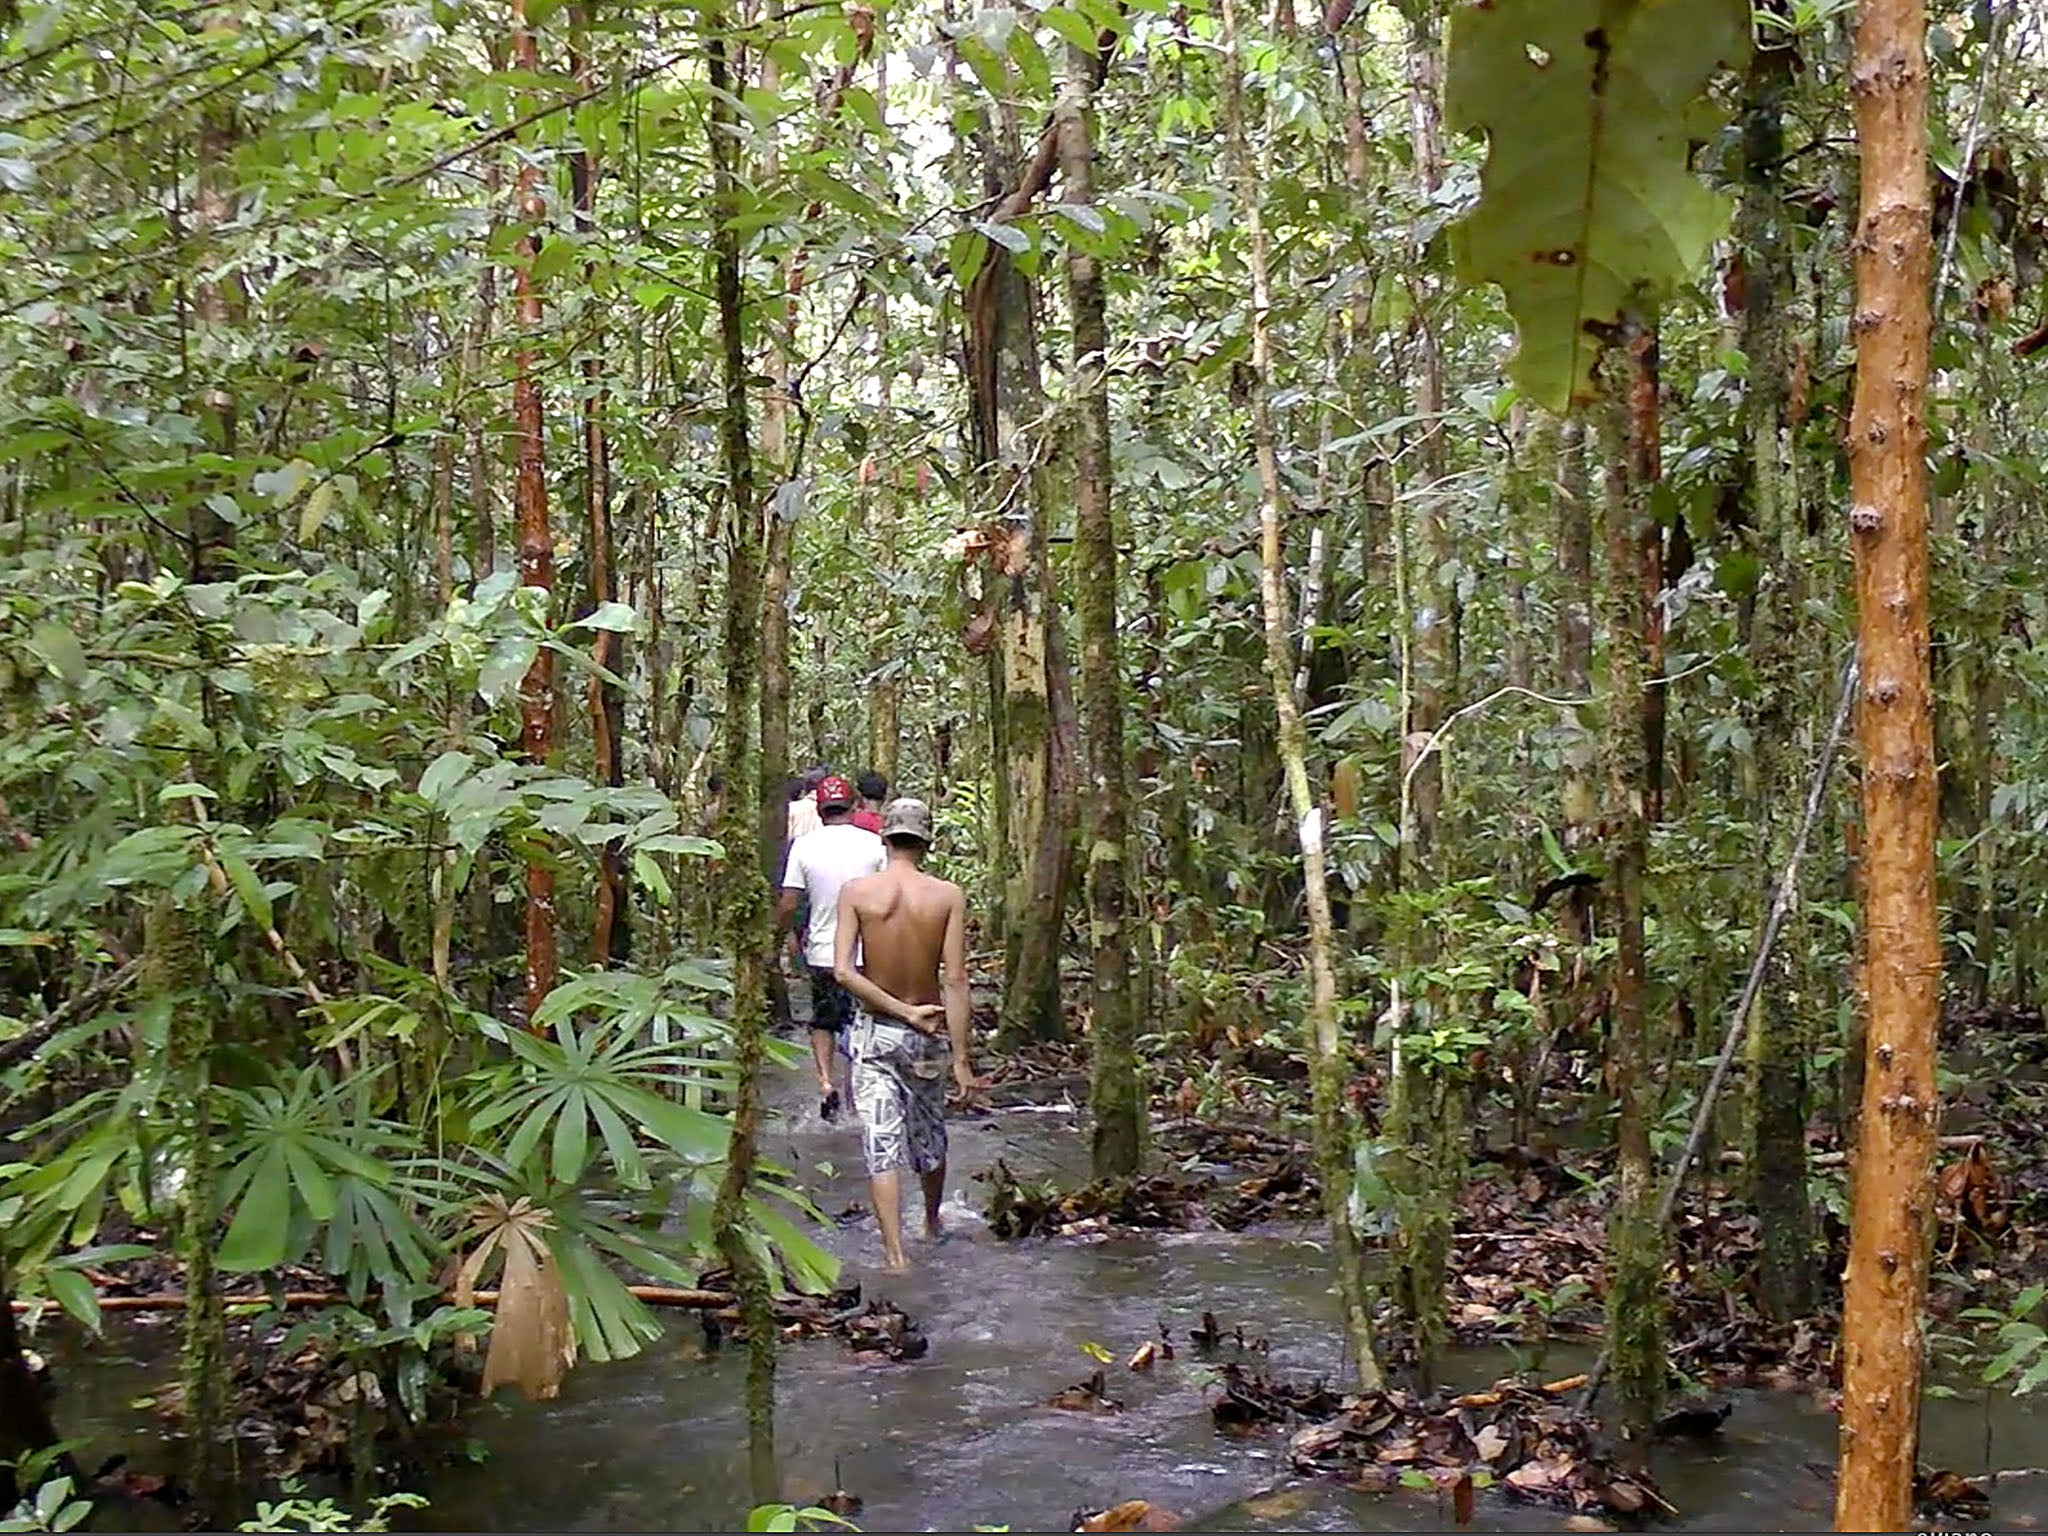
column 831, row 1005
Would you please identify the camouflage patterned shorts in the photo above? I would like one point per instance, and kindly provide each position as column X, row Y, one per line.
column 899, row 1087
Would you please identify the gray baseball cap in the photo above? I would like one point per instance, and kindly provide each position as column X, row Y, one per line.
column 908, row 818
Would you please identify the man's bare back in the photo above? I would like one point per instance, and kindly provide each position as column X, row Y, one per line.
column 903, row 915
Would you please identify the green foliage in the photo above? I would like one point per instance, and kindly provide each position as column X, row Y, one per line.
column 295, row 1512
column 790, row 1517
column 1587, row 204
column 47, row 1503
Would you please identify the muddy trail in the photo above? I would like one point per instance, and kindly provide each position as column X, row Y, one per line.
column 1000, row 1420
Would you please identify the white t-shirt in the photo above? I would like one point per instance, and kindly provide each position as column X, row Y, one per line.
column 803, row 816
column 820, row 863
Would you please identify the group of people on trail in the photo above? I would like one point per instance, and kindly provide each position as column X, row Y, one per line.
column 886, row 947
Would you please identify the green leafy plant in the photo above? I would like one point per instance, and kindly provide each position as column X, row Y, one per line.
column 297, row 1513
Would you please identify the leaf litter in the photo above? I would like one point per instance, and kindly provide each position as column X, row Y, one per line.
column 1528, row 1439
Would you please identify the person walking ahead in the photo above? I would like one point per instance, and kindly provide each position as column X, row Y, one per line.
column 820, row 863
column 900, row 950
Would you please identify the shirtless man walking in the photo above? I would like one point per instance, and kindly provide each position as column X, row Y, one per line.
column 911, row 1014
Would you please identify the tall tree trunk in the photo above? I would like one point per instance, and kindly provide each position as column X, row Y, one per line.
column 1778, row 1049
column 176, row 967
column 1007, row 400
column 885, row 696
column 1882, row 1324
column 1575, row 626
column 1113, row 1097
column 744, row 897
column 1331, row 1066
column 1433, row 623
column 536, row 540
column 25, row 1426
column 1425, row 1133
column 1635, row 1246
column 780, row 528
column 607, row 700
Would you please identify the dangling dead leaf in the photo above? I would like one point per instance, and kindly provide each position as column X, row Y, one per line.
column 532, row 1343
column 1461, row 1499
column 1144, row 1355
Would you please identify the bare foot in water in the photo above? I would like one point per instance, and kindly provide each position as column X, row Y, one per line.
column 934, row 1228
column 896, row 1264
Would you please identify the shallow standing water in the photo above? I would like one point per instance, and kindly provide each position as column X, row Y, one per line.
column 962, row 1437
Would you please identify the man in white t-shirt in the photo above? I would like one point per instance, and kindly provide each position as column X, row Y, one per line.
column 819, row 864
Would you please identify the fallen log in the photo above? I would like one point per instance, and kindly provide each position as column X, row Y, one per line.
column 173, row 1301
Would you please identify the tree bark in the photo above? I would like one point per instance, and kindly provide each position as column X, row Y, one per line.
column 25, row 1425
column 779, row 533
column 536, row 539
column 1635, row 1246
column 1882, row 1323
column 885, row 729
column 1775, row 1164
column 1331, row 1065
column 744, row 897
column 1114, row 1099
column 607, row 700
column 1433, row 622
column 1029, row 694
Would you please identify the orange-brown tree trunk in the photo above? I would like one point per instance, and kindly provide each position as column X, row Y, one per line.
column 536, row 542
column 607, row 699
column 1882, row 1330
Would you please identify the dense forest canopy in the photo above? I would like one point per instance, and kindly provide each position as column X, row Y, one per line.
column 1346, row 517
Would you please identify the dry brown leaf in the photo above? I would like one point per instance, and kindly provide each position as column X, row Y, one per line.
column 1132, row 1515
column 1567, row 1384
column 532, row 1342
column 1623, row 1497
column 1144, row 1355
column 1533, row 1477
column 1478, row 1400
column 1281, row 1504
column 1461, row 1499
column 1490, row 1443
column 1586, row 1523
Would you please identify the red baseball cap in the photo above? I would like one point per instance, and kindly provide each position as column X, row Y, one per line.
column 835, row 794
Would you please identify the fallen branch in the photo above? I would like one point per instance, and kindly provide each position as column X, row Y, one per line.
column 1736, row 1157
column 25, row 1045
column 1738, row 1023
column 174, row 1301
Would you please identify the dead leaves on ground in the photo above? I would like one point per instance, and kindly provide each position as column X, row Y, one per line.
column 1529, row 1440
column 880, row 1330
column 1275, row 1180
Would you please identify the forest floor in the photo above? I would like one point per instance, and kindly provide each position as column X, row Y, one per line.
column 1529, row 1247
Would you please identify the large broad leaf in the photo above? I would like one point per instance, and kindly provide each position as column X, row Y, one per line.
column 1587, row 204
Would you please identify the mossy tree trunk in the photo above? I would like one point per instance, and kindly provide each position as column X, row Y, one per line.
column 1331, row 1062
column 536, row 538
column 744, row 901
column 174, row 984
column 1029, row 693
column 25, row 1425
column 1114, row 1097
column 1778, row 1046
column 1635, row 1246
